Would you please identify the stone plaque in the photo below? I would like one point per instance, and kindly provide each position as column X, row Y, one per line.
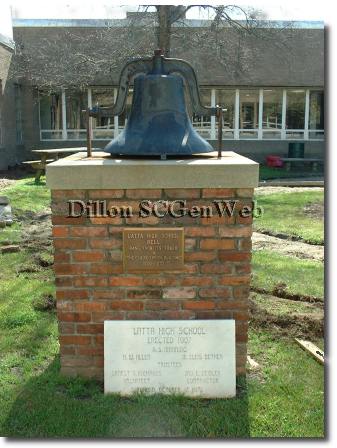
column 195, row 357
column 153, row 249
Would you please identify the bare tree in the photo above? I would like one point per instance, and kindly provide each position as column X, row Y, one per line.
column 83, row 56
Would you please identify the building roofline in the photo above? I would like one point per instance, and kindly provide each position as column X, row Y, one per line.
column 7, row 42
column 101, row 23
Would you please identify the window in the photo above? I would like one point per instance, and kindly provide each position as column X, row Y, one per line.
column 202, row 123
column 316, row 114
column 76, row 102
column 272, row 114
column 249, row 113
column 226, row 99
column 50, row 116
column 103, row 127
column 295, row 114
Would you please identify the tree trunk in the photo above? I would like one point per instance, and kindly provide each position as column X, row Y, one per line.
column 164, row 28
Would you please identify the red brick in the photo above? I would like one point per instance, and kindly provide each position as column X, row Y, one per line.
column 198, row 305
column 216, row 268
column 64, row 305
column 217, row 220
column 91, row 306
column 144, row 294
column 90, row 281
column 111, row 243
column 243, row 268
column 200, row 256
column 60, row 231
column 234, row 256
column 67, row 350
column 83, row 350
column 210, row 244
column 127, row 305
column 68, row 194
column 106, row 194
column 160, row 281
column 215, row 314
column 235, row 231
column 190, row 243
column 197, row 281
column 90, row 328
column 67, row 221
column 179, row 293
column 162, row 305
column 224, row 292
column 143, row 315
column 125, row 281
column 88, row 256
column 75, row 340
column 110, row 294
column 74, row 317
column 244, row 192
column 107, row 315
column 182, row 193
column 135, row 219
column 218, row 193
column 117, row 221
column 70, row 244
column 106, row 268
column 70, row 269
column 89, row 231
column 245, row 244
column 244, row 220
column 76, row 361
column 61, row 257
column 150, row 193
column 74, row 294
column 241, row 292
column 234, row 280
column 200, row 231
column 177, row 314
column 231, row 304
column 63, row 282
column 241, row 315
column 66, row 327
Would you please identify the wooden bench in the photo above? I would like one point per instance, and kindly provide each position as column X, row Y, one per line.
column 288, row 161
column 53, row 154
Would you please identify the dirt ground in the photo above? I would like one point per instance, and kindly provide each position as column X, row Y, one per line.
column 296, row 249
column 272, row 190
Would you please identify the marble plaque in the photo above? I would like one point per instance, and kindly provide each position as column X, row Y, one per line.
column 191, row 357
column 153, row 249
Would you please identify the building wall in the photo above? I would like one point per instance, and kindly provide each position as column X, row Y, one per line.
column 7, row 110
column 55, row 56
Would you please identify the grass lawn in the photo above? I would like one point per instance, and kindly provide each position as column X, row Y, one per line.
column 271, row 269
column 283, row 399
column 297, row 214
column 269, row 173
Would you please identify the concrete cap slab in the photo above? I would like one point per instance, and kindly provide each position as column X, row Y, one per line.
column 104, row 172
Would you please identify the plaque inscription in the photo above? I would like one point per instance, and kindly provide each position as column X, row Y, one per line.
column 191, row 357
column 153, row 249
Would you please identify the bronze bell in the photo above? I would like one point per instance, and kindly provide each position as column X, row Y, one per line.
column 158, row 124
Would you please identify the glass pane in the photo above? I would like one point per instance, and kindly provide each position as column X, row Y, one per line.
column 226, row 99
column 295, row 109
column 249, row 109
column 102, row 97
column 202, row 122
column 316, row 110
column 272, row 109
column 75, row 103
column 50, row 111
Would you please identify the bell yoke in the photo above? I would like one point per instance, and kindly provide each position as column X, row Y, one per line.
column 158, row 124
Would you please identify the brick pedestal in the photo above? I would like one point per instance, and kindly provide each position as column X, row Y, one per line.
column 91, row 285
